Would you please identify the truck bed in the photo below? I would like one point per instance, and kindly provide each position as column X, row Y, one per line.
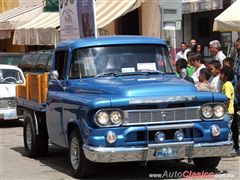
column 33, row 94
column 31, row 104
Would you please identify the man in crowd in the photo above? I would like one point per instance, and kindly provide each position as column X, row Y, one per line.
column 182, row 54
column 237, row 62
column 216, row 52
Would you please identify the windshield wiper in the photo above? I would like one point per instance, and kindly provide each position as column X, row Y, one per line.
column 151, row 72
column 109, row 74
column 140, row 72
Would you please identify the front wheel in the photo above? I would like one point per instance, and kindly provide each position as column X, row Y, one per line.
column 35, row 145
column 80, row 166
column 207, row 163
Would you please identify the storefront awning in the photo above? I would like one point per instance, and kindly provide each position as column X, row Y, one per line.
column 18, row 16
column 40, row 31
column 228, row 20
column 13, row 18
column 44, row 30
column 192, row 6
column 109, row 10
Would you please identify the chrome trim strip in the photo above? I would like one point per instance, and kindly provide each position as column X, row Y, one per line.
column 163, row 99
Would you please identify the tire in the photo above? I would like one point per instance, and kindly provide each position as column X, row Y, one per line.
column 207, row 163
column 35, row 145
column 80, row 166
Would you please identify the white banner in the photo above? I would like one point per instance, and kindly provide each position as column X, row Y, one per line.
column 77, row 19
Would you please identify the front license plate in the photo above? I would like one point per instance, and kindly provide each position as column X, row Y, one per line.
column 167, row 152
column 10, row 115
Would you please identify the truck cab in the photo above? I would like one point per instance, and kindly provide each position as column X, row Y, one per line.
column 116, row 99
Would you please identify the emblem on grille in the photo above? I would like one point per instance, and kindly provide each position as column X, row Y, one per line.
column 163, row 116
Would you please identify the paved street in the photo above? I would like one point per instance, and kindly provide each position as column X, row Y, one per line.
column 15, row 165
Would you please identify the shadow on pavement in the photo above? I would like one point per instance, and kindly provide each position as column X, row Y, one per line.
column 57, row 159
column 11, row 124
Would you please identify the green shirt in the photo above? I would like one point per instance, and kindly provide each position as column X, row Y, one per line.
column 190, row 70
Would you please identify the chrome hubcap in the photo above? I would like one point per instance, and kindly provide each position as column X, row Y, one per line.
column 74, row 153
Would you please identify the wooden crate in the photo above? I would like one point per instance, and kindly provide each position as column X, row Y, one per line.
column 35, row 89
column 44, row 86
column 23, row 90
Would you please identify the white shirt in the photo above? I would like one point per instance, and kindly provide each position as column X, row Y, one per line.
column 219, row 57
column 197, row 73
column 216, row 82
column 181, row 54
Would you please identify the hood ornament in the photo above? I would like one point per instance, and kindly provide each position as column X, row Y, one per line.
column 163, row 116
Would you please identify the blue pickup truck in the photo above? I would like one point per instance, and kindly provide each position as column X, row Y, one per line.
column 116, row 99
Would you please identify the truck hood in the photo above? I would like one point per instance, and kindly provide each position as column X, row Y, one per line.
column 125, row 90
column 136, row 86
column 7, row 90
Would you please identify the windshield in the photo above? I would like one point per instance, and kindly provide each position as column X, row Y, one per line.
column 93, row 61
column 10, row 76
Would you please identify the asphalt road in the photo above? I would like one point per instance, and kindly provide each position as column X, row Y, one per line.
column 14, row 165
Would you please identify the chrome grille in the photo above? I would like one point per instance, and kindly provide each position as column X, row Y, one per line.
column 7, row 103
column 149, row 116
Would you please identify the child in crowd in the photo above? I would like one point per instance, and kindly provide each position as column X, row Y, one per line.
column 203, row 84
column 235, row 132
column 196, row 62
column 226, row 76
column 190, row 67
column 181, row 70
column 214, row 66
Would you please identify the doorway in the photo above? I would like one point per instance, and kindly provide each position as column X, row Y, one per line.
column 129, row 23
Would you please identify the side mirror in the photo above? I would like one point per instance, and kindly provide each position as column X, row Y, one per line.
column 54, row 74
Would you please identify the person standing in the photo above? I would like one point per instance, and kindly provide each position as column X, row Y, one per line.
column 214, row 66
column 182, row 53
column 234, row 127
column 203, row 84
column 216, row 52
column 226, row 76
column 198, row 49
column 181, row 70
column 196, row 62
column 237, row 64
column 192, row 43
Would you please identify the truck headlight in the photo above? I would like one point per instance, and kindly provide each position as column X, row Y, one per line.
column 108, row 117
column 102, row 118
column 207, row 111
column 116, row 117
column 218, row 111
column 213, row 111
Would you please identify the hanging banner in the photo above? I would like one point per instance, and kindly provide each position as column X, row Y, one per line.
column 77, row 19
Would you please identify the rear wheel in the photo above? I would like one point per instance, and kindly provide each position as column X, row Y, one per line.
column 207, row 163
column 80, row 166
column 35, row 145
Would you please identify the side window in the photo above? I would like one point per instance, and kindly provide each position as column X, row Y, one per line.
column 61, row 59
column 42, row 62
column 82, row 64
column 74, row 72
column 49, row 64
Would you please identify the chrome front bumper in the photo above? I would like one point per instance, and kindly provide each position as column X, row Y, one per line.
column 8, row 114
column 186, row 150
